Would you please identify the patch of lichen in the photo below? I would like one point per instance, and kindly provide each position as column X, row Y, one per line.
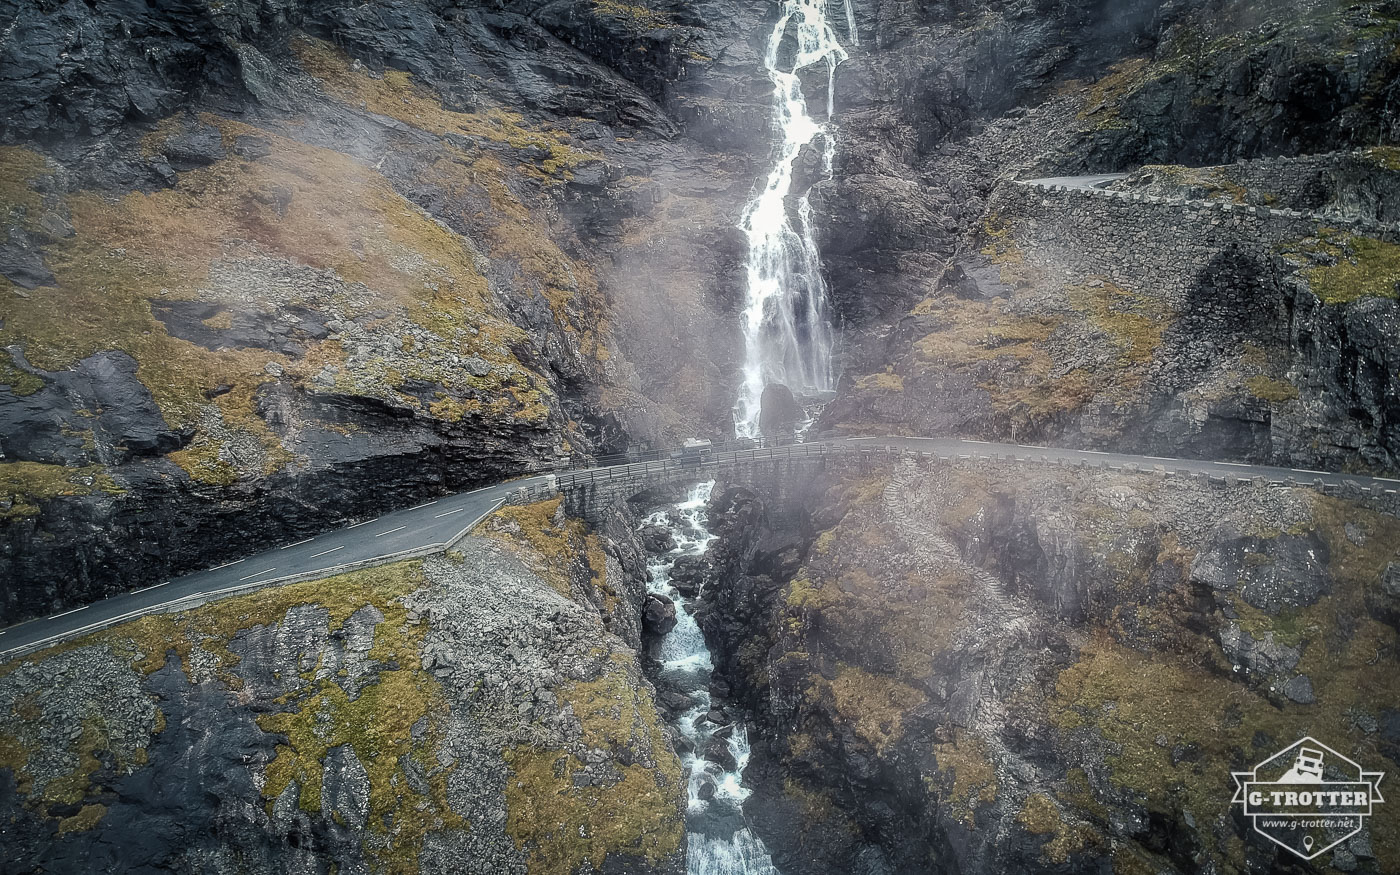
column 974, row 780
column 19, row 167
column 1104, row 98
column 865, row 611
column 313, row 206
column 1198, row 183
column 396, row 94
column 148, row 640
column 1133, row 323
column 1386, row 156
column 888, row 381
column 23, row 485
column 514, row 236
column 20, row 382
column 1005, row 353
column 562, row 826
column 83, row 750
column 1319, row 33
column 1269, row 389
column 1132, row 699
column 87, row 817
column 1362, row 267
column 637, row 18
column 873, row 705
column 560, row 549
column 1039, row 816
column 400, row 715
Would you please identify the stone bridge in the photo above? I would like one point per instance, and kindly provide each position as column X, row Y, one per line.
column 588, row 493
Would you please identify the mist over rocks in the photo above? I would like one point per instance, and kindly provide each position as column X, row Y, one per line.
column 273, row 267
column 421, row 716
column 980, row 667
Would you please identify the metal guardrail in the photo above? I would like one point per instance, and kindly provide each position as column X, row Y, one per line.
column 665, row 454
column 715, row 459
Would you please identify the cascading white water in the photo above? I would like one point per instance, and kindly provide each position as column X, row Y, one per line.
column 719, row 841
column 787, row 331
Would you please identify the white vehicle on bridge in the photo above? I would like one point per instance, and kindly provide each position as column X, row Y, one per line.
column 694, row 452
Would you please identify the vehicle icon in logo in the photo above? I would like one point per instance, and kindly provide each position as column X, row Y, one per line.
column 1308, row 798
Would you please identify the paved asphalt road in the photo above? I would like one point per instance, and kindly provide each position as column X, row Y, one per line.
column 432, row 526
column 416, row 530
column 1096, row 181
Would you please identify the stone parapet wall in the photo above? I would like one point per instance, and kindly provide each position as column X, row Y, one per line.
column 1157, row 245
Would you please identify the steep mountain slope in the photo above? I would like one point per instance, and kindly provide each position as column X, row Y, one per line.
column 269, row 267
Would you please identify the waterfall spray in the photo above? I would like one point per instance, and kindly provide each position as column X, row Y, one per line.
column 787, row 330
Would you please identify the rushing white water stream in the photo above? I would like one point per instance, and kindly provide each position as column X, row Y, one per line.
column 787, row 330
column 720, row 842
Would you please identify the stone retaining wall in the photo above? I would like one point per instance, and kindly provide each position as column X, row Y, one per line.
column 1156, row 245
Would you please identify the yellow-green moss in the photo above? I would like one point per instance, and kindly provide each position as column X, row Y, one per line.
column 874, row 705
column 1386, row 156
column 974, row 778
column 561, row 826
column 1039, row 815
column 149, row 639
column 639, row 19
column 86, row 818
column 1364, row 268
column 19, row 167
column 314, row 206
column 20, row 382
column 850, row 590
column 1269, row 389
column 397, row 95
column 1132, row 698
column 1212, row 181
column 885, row 382
column 1024, row 383
column 72, row 786
column 1134, row 323
column 378, row 724
column 553, row 551
column 25, row 484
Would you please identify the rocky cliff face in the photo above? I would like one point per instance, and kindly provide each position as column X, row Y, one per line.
column 979, row 308
column 481, row 711
column 272, row 266
column 983, row 669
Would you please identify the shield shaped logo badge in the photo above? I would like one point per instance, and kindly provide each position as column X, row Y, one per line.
column 1308, row 798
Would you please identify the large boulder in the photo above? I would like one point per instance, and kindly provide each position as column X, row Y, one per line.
column 658, row 615
column 779, row 413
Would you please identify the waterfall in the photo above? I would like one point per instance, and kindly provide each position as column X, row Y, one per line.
column 787, row 331
column 719, row 841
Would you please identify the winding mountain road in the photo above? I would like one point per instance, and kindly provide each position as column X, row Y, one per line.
column 436, row 525
column 1098, row 180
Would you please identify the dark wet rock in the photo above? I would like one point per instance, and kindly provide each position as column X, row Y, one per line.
column 688, row 574
column 1288, row 571
column 1300, row 690
column 658, row 615
column 658, row 539
column 22, row 263
column 780, row 414
column 675, row 700
column 99, row 410
column 199, row 145
column 717, row 751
